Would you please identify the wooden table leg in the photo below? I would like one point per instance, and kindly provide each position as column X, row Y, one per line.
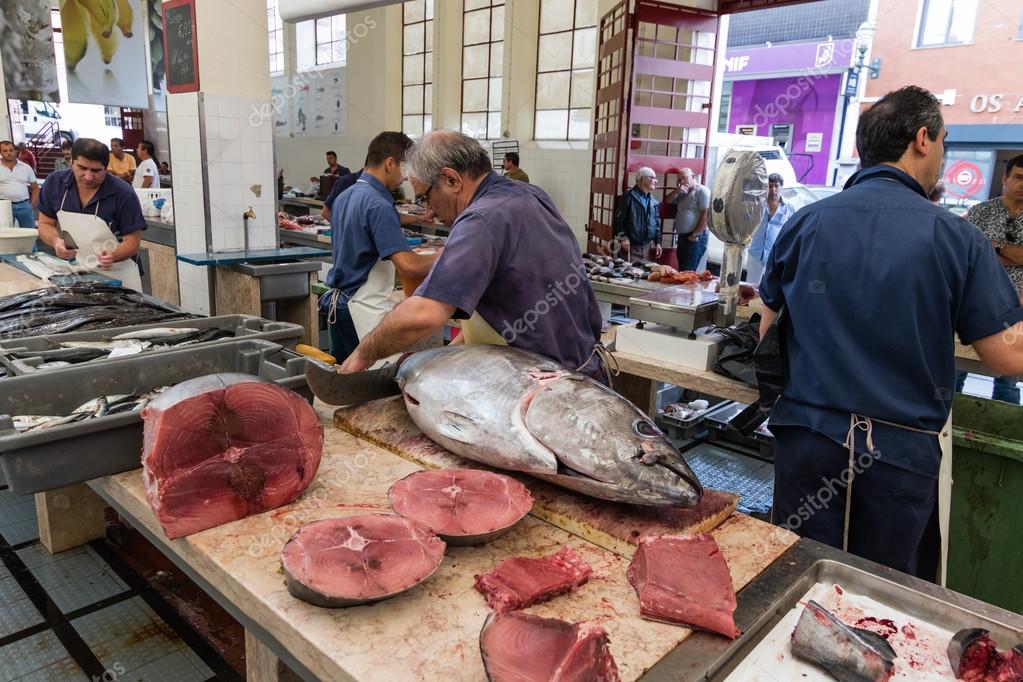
column 69, row 517
column 639, row 390
column 262, row 665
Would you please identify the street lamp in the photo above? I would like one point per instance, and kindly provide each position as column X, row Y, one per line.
column 864, row 36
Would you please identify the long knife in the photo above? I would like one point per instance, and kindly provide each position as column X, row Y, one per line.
column 350, row 389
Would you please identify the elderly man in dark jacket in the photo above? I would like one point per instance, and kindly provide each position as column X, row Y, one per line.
column 637, row 218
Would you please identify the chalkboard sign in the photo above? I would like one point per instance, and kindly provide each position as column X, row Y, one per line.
column 180, row 52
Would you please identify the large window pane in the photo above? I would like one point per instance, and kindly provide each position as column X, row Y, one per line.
column 584, row 48
column 415, row 40
column 495, row 94
column 552, row 125
column 552, row 90
column 475, row 125
column 947, row 22
column 414, row 10
column 556, row 15
column 477, row 27
column 494, row 125
column 585, row 13
column 413, row 99
column 555, row 52
column 474, row 61
column 497, row 59
column 483, row 25
column 474, row 95
column 579, row 124
column 412, row 69
column 582, row 89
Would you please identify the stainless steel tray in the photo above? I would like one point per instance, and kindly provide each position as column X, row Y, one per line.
column 1006, row 628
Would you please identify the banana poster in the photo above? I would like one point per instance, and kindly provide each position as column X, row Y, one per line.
column 105, row 52
column 26, row 41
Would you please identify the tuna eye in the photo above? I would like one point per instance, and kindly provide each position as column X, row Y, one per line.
column 645, row 429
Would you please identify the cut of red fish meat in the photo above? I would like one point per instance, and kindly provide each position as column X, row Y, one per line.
column 520, row 647
column 359, row 559
column 222, row 447
column 463, row 506
column 685, row 580
column 521, row 581
column 975, row 658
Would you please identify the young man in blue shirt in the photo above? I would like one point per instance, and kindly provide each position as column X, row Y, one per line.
column 875, row 281
column 777, row 214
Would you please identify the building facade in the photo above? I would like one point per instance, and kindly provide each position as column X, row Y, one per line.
column 969, row 54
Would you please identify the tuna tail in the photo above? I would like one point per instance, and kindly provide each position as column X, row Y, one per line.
column 847, row 653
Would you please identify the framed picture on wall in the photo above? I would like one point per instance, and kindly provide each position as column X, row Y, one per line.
column 180, row 48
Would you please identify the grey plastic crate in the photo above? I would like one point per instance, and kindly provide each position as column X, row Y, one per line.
column 73, row 453
column 243, row 326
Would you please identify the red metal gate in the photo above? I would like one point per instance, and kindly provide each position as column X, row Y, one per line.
column 655, row 80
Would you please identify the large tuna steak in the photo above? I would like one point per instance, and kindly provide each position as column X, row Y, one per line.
column 522, row 581
column 517, row 410
column 359, row 559
column 520, row 647
column 684, row 580
column 221, row 447
column 462, row 506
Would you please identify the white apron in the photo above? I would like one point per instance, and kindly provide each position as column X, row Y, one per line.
column 945, row 496
column 93, row 235
column 373, row 299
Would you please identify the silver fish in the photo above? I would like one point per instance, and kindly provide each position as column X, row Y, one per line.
column 849, row 654
column 516, row 410
column 26, row 422
column 155, row 333
column 107, row 345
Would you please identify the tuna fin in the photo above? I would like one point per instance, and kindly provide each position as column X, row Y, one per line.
column 876, row 641
column 456, row 426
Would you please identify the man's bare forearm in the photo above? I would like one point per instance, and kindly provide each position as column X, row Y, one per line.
column 410, row 322
column 1012, row 254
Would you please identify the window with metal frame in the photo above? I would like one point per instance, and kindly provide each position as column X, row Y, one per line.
column 112, row 116
column 276, row 36
column 321, row 42
column 566, row 53
column 417, row 67
column 946, row 22
column 482, row 67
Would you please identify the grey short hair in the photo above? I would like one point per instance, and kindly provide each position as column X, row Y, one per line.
column 646, row 172
column 447, row 149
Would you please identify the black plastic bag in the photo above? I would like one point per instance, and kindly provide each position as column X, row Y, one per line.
column 735, row 358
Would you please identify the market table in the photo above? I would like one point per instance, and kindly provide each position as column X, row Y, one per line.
column 430, row 632
column 15, row 281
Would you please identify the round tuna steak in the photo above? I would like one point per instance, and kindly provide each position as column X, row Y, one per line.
column 462, row 506
column 521, row 647
column 359, row 559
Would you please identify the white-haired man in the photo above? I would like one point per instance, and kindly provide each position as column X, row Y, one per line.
column 637, row 218
column 511, row 258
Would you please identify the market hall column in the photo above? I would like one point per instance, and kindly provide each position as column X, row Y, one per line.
column 221, row 139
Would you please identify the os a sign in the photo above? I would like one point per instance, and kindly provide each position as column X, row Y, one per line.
column 992, row 104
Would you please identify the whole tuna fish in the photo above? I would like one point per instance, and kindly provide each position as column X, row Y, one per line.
column 515, row 410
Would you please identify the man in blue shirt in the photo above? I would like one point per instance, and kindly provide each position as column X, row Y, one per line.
column 511, row 258
column 88, row 188
column 777, row 214
column 875, row 281
column 368, row 247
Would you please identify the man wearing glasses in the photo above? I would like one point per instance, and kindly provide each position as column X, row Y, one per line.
column 369, row 248
column 511, row 259
column 1001, row 221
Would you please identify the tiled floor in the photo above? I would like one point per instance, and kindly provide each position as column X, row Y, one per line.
column 72, row 616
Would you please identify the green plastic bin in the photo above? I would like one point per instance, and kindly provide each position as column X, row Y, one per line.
column 986, row 527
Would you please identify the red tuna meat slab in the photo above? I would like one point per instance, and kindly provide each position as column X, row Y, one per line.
column 520, row 647
column 975, row 658
column 521, row 581
column 684, row 579
column 463, row 506
column 359, row 559
column 222, row 447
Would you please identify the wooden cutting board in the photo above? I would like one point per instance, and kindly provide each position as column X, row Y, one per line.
column 613, row 526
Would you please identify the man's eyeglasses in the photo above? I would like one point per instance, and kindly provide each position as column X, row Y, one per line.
column 424, row 198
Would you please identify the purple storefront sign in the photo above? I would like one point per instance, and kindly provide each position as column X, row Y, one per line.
column 808, row 103
column 826, row 56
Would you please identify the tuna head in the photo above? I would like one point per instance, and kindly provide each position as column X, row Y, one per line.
column 606, row 447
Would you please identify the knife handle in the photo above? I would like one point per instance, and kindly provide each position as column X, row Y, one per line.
column 315, row 353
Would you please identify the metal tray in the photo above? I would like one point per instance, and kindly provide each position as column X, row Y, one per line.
column 243, row 326
column 918, row 604
column 73, row 453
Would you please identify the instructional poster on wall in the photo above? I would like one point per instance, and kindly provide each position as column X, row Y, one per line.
column 318, row 103
column 105, row 52
column 281, row 110
column 26, row 41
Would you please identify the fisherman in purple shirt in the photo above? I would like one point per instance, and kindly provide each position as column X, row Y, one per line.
column 511, row 258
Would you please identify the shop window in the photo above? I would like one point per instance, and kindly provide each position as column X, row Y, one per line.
column 417, row 67
column 276, row 31
column 112, row 116
column 946, row 22
column 482, row 67
column 321, row 42
column 566, row 52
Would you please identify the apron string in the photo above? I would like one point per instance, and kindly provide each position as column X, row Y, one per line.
column 865, row 424
column 607, row 360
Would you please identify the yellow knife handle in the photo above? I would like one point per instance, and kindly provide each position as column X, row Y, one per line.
column 315, row 353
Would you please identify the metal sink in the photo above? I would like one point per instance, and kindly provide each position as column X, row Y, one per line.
column 280, row 280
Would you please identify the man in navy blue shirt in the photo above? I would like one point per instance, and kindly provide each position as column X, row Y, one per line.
column 365, row 235
column 875, row 281
column 88, row 188
column 511, row 258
